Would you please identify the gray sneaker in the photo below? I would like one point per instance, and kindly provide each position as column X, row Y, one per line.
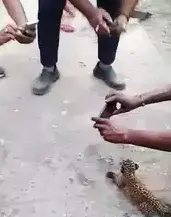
column 109, row 77
column 43, row 83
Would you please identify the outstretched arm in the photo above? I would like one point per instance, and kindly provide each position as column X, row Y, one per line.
column 157, row 95
column 85, row 7
column 129, row 103
column 150, row 139
column 144, row 138
column 16, row 11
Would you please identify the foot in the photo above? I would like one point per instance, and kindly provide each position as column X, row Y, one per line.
column 109, row 76
column 2, row 72
column 43, row 83
column 67, row 28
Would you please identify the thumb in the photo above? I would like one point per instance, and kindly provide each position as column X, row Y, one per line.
column 119, row 111
column 111, row 99
column 10, row 36
column 106, row 16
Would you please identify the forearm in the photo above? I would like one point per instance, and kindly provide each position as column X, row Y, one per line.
column 85, row 7
column 127, row 7
column 156, row 96
column 16, row 11
column 154, row 140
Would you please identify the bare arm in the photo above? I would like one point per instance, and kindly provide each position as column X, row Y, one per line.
column 128, row 6
column 157, row 95
column 154, row 140
column 16, row 11
column 85, row 7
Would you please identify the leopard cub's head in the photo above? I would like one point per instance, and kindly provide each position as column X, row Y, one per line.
column 128, row 167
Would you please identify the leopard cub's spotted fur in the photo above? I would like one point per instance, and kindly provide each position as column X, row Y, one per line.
column 137, row 192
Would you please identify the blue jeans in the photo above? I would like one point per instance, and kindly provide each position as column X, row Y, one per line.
column 49, row 15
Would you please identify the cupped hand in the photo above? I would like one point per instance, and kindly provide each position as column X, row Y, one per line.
column 126, row 103
column 110, row 132
column 97, row 21
column 25, row 36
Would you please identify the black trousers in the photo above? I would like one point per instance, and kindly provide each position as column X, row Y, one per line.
column 49, row 15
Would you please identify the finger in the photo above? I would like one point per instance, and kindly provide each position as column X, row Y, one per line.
column 31, row 33
column 103, row 29
column 10, row 36
column 111, row 99
column 13, row 26
column 19, row 28
column 24, row 39
column 106, row 15
column 100, row 120
column 22, row 36
column 119, row 111
column 109, row 95
column 9, row 29
column 95, row 119
column 107, row 139
column 100, row 127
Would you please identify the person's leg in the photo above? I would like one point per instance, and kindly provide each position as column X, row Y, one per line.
column 107, row 47
column 49, row 15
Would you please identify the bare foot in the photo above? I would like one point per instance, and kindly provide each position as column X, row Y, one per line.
column 67, row 17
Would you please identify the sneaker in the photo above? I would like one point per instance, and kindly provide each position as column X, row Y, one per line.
column 43, row 83
column 109, row 77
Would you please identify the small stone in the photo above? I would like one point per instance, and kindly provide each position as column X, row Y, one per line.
column 66, row 102
column 167, row 127
column 2, row 142
column 71, row 180
column 82, row 64
column 80, row 156
column 22, row 164
column 86, row 207
column 142, row 149
column 64, row 113
column 54, row 126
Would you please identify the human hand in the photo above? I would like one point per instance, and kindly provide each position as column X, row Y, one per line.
column 126, row 103
column 97, row 21
column 120, row 24
column 109, row 132
column 69, row 8
column 25, row 36
column 7, row 34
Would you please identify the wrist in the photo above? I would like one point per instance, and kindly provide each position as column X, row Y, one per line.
column 140, row 101
column 129, row 137
column 21, row 23
column 89, row 11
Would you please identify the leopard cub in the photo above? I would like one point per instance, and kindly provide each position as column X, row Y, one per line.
column 137, row 192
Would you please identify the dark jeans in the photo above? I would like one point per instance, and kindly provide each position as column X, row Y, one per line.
column 49, row 15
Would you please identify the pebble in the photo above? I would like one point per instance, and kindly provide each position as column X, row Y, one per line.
column 64, row 113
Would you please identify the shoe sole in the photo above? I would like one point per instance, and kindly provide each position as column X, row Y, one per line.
column 45, row 90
